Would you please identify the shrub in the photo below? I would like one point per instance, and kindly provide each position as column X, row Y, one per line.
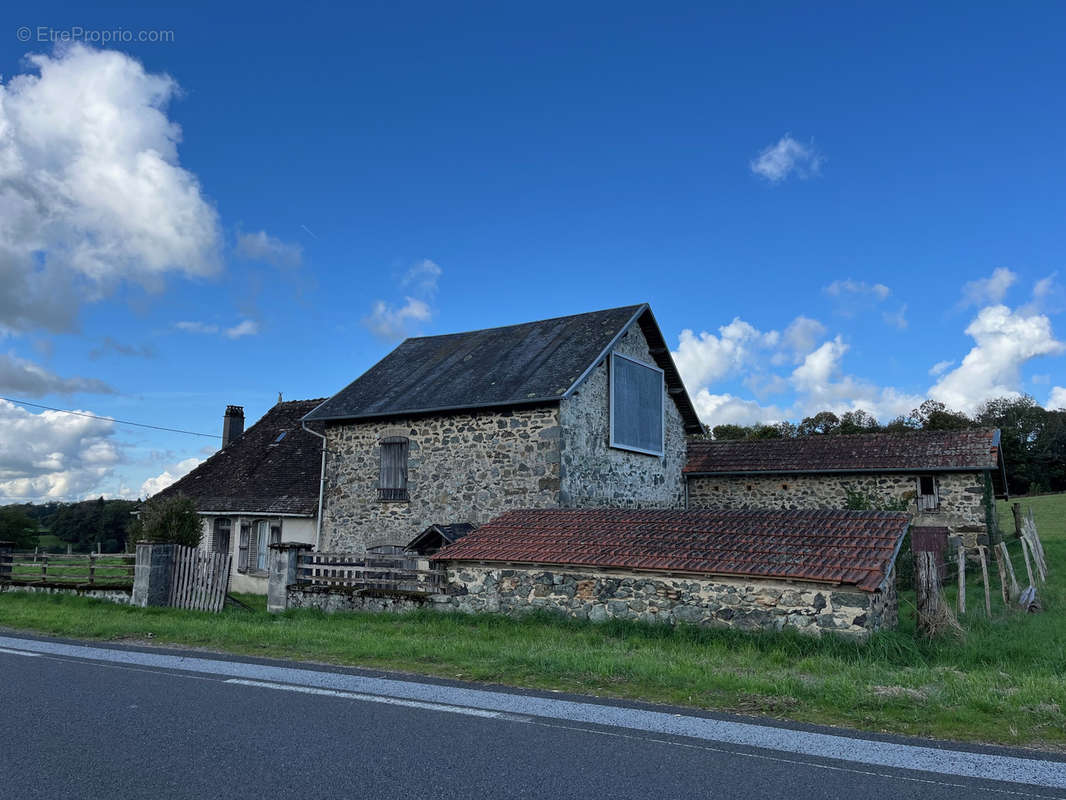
column 168, row 519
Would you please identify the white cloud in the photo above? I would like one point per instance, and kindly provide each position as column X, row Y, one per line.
column 261, row 246
column 802, row 336
column 248, row 327
column 787, row 157
column 706, row 357
column 839, row 288
column 1057, row 398
column 91, row 189
column 19, row 376
column 1005, row 340
column 988, row 290
column 52, row 455
column 726, row 409
column 897, row 319
column 168, row 476
column 391, row 322
column 939, row 367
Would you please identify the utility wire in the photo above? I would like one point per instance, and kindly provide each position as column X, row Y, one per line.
column 111, row 419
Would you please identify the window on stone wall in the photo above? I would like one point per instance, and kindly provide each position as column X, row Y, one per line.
column 221, row 538
column 636, row 405
column 928, row 499
column 392, row 481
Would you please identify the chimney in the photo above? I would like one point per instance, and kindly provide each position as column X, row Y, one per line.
column 232, row 424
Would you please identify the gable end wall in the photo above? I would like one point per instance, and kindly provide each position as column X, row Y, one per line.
column 595, row 475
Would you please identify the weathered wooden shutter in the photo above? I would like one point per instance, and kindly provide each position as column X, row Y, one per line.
column 275, row 534
column 636, row 406
column 392, row 482
column 242, row 552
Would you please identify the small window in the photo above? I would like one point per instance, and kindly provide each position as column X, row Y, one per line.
column 221, row 539
column 392, row 480
column 928, row 500
column 636, row 406
column 254, row 546
column 279, row 438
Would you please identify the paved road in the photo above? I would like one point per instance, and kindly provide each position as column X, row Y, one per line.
column 90, row 722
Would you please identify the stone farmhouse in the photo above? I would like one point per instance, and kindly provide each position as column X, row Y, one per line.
column 946, row 481
column 260, row 488
column 574, row 412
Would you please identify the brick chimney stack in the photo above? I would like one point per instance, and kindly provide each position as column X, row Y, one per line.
column 232, row 424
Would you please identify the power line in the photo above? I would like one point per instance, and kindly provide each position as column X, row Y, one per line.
column 111, row 419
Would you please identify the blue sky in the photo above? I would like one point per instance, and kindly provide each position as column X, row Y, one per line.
column 844, row 207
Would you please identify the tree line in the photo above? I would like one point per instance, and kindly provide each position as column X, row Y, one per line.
column 1033, row 439
column 84, row 526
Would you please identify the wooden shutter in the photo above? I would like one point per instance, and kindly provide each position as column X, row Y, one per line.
column 275, row 534
column 242, row 552
column 392, row 481
column 636, row 406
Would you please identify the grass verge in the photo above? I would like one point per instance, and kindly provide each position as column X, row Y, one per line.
column 1003, row 683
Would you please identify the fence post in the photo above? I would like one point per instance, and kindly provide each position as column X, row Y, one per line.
column 153, row 573
column 7, row 550
column 284, row 559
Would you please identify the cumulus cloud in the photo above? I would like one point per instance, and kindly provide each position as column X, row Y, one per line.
column 22, row 377
column 111, row 345
column 1057, row 398
column 802, row 335
column 988, row 290
column 391, row 322
column 705, row 357
column 846, row 287
column 248, row 327
column 171, row 474
column 788, row 157
column 91, row 189
column 261, row 246
column 1005, row 340
column 52, row 455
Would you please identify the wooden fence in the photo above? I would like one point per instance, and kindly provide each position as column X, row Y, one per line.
column 200, row 579
column 78, row 569
column 350, row 571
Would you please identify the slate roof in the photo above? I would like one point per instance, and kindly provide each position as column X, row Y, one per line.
column 535, row 362
column 440, row 535
column 828, row 546
column 923, row 451
column 258, row 474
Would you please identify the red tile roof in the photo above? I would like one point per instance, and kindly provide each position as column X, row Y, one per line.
column 924, row 451
column 847, row 547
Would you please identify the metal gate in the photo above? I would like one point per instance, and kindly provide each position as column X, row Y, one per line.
column 200, row 579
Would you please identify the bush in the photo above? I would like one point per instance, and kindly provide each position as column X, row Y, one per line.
column 168, row 519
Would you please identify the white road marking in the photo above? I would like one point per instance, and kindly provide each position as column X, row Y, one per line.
column 930, row 758
column 19, row 653
column 377, row 698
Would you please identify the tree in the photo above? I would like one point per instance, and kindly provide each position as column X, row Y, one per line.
column 168, row 519
column 721, row 432
column 1021, row 422
column 933, row 415
column 93, row 523
column 858, row 421
column 17, row 526
column 821, row 423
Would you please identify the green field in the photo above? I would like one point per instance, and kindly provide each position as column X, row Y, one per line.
column 1003, row 682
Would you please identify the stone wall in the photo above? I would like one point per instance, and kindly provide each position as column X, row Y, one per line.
column 962, row 495
column 718, row 602
column 119, row 595
column 592, row 473
column 466, row 467
column 332, row 601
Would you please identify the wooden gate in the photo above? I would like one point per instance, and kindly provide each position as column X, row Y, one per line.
column 200, row 579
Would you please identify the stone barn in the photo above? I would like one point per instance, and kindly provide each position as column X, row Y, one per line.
column 945, row 480
column 807, row 570
column 579, row 411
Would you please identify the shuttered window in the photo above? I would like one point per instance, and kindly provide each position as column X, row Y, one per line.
column 242, row 550
column 221, row 535
column 262, row 540
column 928, row 498
column 392, row 482
column 636, row 405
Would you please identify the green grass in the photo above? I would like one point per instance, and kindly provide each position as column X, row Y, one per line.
column 1003, row 683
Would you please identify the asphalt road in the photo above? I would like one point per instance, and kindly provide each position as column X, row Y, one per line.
column 80, row 721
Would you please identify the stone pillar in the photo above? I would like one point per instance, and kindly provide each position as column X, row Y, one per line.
column 7, row 549
column 284, row 558
column 153, row 573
